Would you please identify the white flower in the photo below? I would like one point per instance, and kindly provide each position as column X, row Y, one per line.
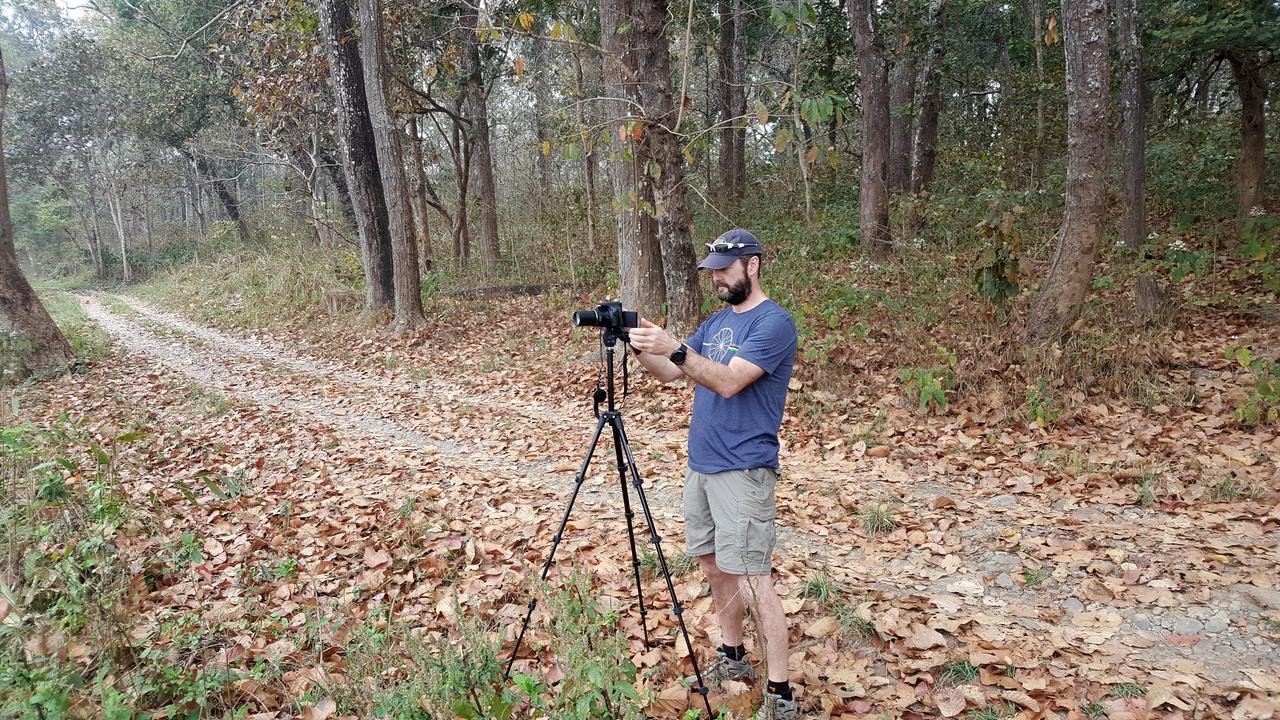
column 1153, row 235
column 1256, row 211
column 1177, row 245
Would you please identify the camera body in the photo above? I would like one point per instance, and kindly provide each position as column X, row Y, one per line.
column 609, row 317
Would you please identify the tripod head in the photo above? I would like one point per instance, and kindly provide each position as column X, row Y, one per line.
column 613, row 322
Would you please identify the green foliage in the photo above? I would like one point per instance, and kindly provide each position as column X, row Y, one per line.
column 877, row 519
column 822, row 588
column 853, row 623
column 90, row 343
column 1263, row 403
column 1182, row 261
column 928, row 386
column 1041, row 409
column 1260, row 246
column 1128, row 690
column 996, row 270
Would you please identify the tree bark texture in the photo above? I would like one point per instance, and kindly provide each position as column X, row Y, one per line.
column 732, row 101
column 925, row 152
column 665, row 166
column 418, row 194
column 40, row 348
column 395, row 188
column 902, row 109
column 1037, row 16
column 206, row 172
column 358, row 150
column 476, row 109
column 640, row 277
column 1246, row 66
column 873, row 193
column 1067, row 282
column 1133, row 218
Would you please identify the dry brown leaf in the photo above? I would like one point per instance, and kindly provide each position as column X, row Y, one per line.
column 951, row 702
column 924, row 637
column 321, row 710
column 374, row 558
column 822, row 627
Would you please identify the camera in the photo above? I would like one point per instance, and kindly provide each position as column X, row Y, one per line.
column 608, row 315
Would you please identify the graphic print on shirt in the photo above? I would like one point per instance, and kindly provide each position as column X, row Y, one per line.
column 721, row 344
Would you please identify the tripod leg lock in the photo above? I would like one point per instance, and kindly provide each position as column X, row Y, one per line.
column 533, row 605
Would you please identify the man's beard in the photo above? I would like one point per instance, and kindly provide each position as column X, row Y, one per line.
column 735, row 294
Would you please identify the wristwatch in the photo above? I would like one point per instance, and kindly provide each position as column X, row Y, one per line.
column 680, row 354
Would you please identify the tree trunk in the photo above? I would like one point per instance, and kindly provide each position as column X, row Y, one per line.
column 542, row 108
column 660, row 146
column 220, row 189
column 358, row 150
column 477, row 114
column 1246, row 66
column 1067, row 283
column 731, row 64
column 386, row 134
column 39, row 347
column 925, row 153
column 1133, row 215
column 873, row 193
column 1037, row 15
column 418, row 190
column 902, row 91
column 585, row 134
column 338, row 178
column 641, row 280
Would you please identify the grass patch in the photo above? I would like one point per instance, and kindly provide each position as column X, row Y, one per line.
column 822, row 588
column 1035, row 576
column 994, row 711
column 207, row 403
column 1094, row 711
column 1128, row 690
column 877, row 519
column 90, row 342
column 958, row 672
column 679, row 563
column 853, row 623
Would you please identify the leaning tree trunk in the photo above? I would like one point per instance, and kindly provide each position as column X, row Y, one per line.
column 478, row 132
column 1067, row 283
column 660, row 146
column 228, row 199
column 642, row 284
column 27, row 332
column 873, row 194
column 386, row 135
column 1246, row 66
column 358, row 150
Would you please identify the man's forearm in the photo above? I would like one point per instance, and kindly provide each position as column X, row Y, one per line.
column 719, row 379
column 661, row 367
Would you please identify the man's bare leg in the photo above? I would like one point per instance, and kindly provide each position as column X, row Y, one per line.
column 766, row 606
column 726, row 590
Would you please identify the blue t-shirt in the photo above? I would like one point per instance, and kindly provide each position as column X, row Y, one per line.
column 741, row 432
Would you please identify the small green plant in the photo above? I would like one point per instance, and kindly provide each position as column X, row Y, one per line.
column 1094, row 711
column 1041, row 409
column 1260, row 245
column 1146, row 492
column 822, row 588
column 1263, row 404
column 1128, row 690
column 958, row 672
column 186, row 551
column 1182, row 261
column 877, row 519
column 997, row 275
column 853, row 623
column 929, row 386
column 1033, row 577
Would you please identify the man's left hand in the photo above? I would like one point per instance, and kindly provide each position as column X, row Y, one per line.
column 649, row 338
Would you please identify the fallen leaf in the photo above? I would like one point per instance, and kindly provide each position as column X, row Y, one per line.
column 822, row 627
column 924, row 637
column 950, row 702
column 321, row 710
column 374, row 559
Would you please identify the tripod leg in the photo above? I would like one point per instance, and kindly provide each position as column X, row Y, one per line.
column 662, row 563
column 555, row 541
column 616, row 423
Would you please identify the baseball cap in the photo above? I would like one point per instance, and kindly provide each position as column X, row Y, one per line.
column 727, row 248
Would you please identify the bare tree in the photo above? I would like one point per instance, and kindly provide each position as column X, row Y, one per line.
column 1067, row 283
column 1246, row 67
column 40, row 348
column 476, row 107
column 925, row 151
column 873, row 193
column 902, row 91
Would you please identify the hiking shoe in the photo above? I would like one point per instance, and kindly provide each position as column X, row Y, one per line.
column 775, row 708
column 724, row 668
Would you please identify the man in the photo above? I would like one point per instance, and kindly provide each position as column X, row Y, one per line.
column 740, row 360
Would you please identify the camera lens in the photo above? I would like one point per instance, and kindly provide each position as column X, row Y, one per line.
column 586, row 318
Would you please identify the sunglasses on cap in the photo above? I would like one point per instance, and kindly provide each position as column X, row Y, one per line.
column 722, row 246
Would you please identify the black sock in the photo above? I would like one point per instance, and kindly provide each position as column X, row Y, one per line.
column 781, row 689
column 734, row 653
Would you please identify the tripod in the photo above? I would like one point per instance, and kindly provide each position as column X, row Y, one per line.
column 626, row 468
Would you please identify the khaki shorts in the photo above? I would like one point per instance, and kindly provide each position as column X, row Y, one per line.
column 732, row 514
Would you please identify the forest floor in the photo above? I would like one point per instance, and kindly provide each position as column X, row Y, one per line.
column 1123, row 562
